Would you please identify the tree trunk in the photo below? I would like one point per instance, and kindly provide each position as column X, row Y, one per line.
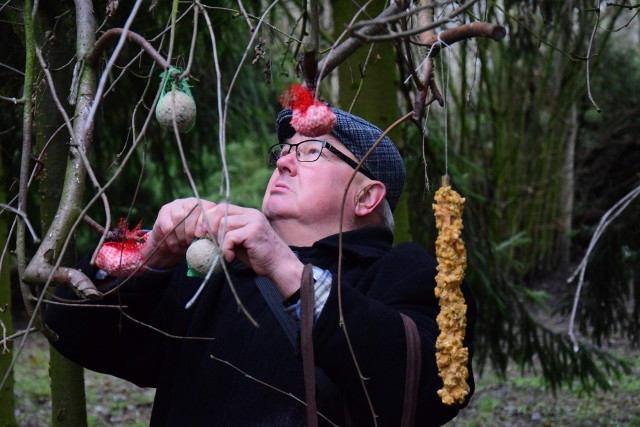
column 68, row 403
column 566, row 194
column 7, row 399
column 367, row 84
column 67, row 378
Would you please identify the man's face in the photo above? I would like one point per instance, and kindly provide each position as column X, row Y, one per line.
column 310, row 193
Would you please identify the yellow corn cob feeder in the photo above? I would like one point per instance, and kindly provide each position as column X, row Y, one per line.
column 451, row 356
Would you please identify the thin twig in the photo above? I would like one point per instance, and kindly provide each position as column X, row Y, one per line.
column 380, row 20
column 7, row 339
column 222, row 126
column 363, row 70
column 105, row 74
column 337, row 50
column 194, row 37
column 252, row 378
column 129, row 154
column 340, row 257
column 421, row 29
column 624, row 6
column 166, row 334
column 22, row 215
column 79, row 150
column 27, row 139
column 101, row 44
column 342, row 51
column 225, row 171
column 571, row 56
column 15, row 101
column 252, row 29
column 593, row 35
column 64, row 302
column 246, row 16
column 606, row 219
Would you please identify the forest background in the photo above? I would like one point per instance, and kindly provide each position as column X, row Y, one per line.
column 535, row 126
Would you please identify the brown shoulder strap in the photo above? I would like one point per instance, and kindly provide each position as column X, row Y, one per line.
column 307, row 298
column 412, row 381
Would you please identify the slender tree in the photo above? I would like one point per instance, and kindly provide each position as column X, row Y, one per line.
column 7, row 398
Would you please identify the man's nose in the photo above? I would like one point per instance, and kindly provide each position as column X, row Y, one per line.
column 288, row 162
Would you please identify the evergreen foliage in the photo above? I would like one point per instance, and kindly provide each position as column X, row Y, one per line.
column 609, row 153
column 505, row 141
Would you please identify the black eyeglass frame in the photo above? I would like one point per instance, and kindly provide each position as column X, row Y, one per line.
column 325, row 144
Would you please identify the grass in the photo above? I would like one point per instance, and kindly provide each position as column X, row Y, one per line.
column 522, row 400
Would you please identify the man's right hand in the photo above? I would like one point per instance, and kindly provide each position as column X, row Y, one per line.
column 173, row 232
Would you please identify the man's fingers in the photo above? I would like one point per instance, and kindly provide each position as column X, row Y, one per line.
column 176, row 223
column 230, row 244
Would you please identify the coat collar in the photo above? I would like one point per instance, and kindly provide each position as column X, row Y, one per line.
column 363, row 243
column 366, row 242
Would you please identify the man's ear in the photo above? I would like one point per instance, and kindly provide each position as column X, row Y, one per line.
column 369, row 197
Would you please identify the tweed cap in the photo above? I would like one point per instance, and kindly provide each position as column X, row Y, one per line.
column 358, row 135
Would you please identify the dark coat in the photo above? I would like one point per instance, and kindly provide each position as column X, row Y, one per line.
column 212, row 367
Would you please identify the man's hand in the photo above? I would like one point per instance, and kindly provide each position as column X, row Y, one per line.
column 246, row 234
column 173, row 232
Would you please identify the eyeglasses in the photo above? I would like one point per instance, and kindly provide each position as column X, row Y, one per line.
column 310, row 151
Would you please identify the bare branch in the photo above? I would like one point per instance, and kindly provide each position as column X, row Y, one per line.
column 40, row 270
column 591, row 39
column 624, row 6
column 194, row 36
column 88, row 123
column 368, row 30
column 14, row 100
column 9, row 67
column 246, row 16
column 427, row 83
column 606, row 219
column 340, row 53
column 340, row 257
column 27, row 123
column 467, row 31
column 268, row 385
column 22, row 215
column 166, row 334
column 6, row 339
column 310, row 62
column 102, row 42
column 78, row 281
column 421, row 29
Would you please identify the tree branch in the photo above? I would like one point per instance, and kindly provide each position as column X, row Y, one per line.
column 24, row 217
column 367, row 32
column 344, row 50
column 27, row 124
column 467, row 31
column 44, row 265
column 102, row 42
column 14, row 100
column 78, row 281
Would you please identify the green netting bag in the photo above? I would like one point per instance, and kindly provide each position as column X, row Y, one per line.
column 176, row 100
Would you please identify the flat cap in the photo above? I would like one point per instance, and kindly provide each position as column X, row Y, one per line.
column 358, row 135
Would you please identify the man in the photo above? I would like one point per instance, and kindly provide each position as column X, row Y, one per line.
column 212, row 366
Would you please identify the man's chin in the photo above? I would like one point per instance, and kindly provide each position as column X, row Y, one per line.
column 273, row 212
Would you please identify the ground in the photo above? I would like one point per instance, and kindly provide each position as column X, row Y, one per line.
column 522, row 400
